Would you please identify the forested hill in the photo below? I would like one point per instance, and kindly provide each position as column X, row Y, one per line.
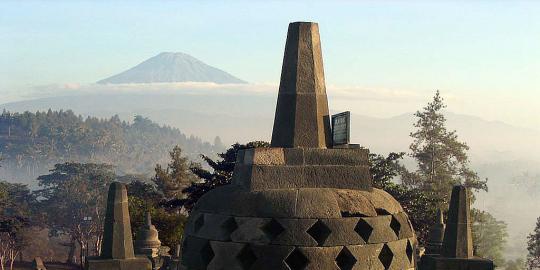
column 30, row 143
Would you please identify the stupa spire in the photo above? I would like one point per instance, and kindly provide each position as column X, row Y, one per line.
column 302, row 118
column 117, row 239
column 458, row 234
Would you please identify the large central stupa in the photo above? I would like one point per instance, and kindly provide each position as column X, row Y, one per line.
column 301, row 203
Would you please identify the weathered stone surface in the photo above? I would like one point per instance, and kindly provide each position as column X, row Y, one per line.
column 271, row 257
column 442, row 263
column 147, row 239
column 457, row 252
column 135, row 263
column 301, row 118
column 117, row 246
column 320, row 257
column 342, row 232
column 436, row 235
column 458, row 234
column 295, row 232
column 300, row 204
column 37, row 264
column 250, row 230
column 314, row 203
column 117, row 239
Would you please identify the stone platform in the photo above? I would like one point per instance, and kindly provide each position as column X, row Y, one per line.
column 136, row 263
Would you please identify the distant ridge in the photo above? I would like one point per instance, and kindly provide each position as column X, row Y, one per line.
column 172, row 67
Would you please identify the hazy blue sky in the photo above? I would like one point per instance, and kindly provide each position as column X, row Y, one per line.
column 483, row 55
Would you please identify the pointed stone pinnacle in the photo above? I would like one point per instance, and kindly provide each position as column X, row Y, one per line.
column 458, row 234
column 117, row 240
column 302, row 118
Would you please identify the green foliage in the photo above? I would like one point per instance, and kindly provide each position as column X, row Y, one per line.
column 221, row 174
column 421, row 206
column 143, row 198
column 176, row 177
column 489, row 236
column 73, row 196
column 533, row 246
column 442, row 158
column 32, row 142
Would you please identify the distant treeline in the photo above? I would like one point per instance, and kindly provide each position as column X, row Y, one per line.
column 30, row 143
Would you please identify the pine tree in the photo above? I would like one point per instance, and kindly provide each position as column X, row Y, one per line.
column 442, row 159
column 533, row 246
column 177, row 176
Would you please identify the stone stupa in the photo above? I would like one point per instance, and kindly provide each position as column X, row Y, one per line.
column 117, row 247
column 147, row 239
column 301, row 203
column 436, row 235
column 457, row 247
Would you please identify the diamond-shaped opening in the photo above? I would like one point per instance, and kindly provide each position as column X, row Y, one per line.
column 409, row 250
column 199, row 223
column 345, row 260
column 395, row 225
column 296, row 260
column 207, row 254
column 363, row 229
column 246, row 257
column 386, row 256
column 319, row 231
column 382, row 211
column 229, row 226
column 272, row 229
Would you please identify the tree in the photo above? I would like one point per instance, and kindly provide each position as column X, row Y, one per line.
column 74, row 197
column 533, row 246
column 442, row 159
column 143, row 198
column 221, row 174
column 176, row 177
column 420, row 205
column 489, row 236
column 16, row 203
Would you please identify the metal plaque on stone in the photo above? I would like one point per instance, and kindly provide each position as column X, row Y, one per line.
column 341, row 128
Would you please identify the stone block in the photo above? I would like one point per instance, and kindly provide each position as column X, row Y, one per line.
column 262, row 177
column 366, row 256
column 403, row 254
column 275, row 203
column 250, row 230
column 383, row 202
column 346, row 157
column 353, row 203
column 271, row 257
column 320, row 257
column 135, row 263
column 198, row 252
column 316, row 203
column 406, row 230
column 343, row 232
column 381, row 229
column 227, row 256
column 337, row 176
column 264, row 156
column 429, row 262
column 295, row 232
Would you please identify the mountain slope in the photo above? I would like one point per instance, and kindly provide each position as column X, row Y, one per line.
column 172, row 67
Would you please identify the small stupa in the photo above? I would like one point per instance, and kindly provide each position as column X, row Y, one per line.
column 303, row 203
column 147, row 239
column 117, row 246
column 436, row 235
column 457, row 247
